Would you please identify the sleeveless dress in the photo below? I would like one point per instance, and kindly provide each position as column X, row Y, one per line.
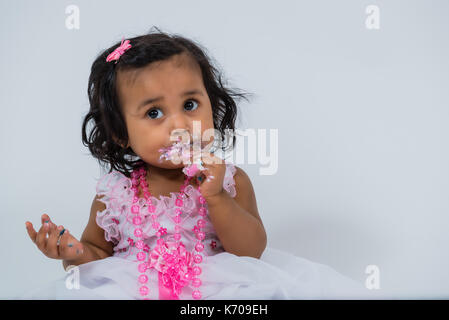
column 276, row 275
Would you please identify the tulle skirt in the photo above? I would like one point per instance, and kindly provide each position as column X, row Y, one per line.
column 276, row 275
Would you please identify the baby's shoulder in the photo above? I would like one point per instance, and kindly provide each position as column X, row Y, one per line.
column 237, row 182
column 245, row 195
column 241, row 178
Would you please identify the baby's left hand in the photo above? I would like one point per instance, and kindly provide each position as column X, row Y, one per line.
column 210, row 180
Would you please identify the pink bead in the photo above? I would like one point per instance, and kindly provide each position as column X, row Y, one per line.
column 137, row 220
column 143, row 278
column 138, row 232
column 151, row 208
column 178, row 202
column 196, row 294
column 158, row 234
column 202, row 211
column 143, row 290
column 160, row 242
column 196, row 282
column 141, row 256
column 147, row 194
column 200, row 235
column 201, row 223
column 197, row 258
column 187, row 276
column 177, row 219
column 140, row 244
column 135, row 209
column 177, row 236
column 196, row 270
column 178, row 211
column 135, row 199
column 142, row 267
column 202, row 200
column 199, row 247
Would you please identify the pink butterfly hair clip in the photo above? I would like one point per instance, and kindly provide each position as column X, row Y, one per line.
column 115, row 55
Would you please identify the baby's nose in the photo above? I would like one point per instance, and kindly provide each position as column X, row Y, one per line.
column 181, row 135
column 180, row 123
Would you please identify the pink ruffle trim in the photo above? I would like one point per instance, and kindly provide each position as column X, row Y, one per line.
column 228, row 181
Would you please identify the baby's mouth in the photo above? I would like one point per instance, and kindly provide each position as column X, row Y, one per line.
column 182, row 151
column 176, row 149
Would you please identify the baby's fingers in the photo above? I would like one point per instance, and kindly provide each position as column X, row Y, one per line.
column 52, row 247
column 31, row 232
column 41, row 237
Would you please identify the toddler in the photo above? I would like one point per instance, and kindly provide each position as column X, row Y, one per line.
column 160, row 228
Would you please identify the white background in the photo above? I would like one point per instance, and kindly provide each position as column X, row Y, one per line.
column 362, row 117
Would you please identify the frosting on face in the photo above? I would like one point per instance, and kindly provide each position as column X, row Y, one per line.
column 181, row 150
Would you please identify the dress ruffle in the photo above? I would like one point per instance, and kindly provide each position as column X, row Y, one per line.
column 228, row 181
column 115, row 188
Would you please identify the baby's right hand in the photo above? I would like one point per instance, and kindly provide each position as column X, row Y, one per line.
column 69, row 247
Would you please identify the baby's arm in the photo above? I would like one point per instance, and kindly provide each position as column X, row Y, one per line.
column 237, row 221
column 95, row 245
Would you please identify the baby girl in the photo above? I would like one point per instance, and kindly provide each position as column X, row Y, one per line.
column 160, row 228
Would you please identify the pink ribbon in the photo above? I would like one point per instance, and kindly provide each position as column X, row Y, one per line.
column 164, row 292
column 115, row 55
column 175, row 266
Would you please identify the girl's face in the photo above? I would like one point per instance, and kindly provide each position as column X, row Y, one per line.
column 160, row 98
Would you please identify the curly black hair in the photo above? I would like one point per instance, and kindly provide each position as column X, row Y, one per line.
column 109, row 134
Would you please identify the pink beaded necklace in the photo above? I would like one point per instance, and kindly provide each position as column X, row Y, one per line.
column 175, row 265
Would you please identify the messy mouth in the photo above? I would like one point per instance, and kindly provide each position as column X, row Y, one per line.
column 182, row 151
column 177, row 149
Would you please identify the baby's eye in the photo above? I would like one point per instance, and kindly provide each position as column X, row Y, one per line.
column 153, row 113
column 189, row 104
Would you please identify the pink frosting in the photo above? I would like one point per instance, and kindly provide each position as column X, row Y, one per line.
column 116, row 218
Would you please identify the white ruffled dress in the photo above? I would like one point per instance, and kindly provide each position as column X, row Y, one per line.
column 276, row 275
